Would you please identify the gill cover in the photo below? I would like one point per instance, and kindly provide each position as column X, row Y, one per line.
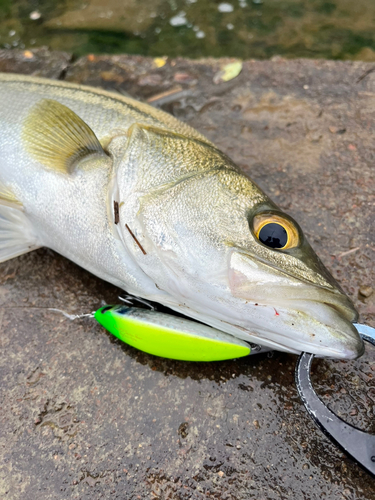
column 196, row 229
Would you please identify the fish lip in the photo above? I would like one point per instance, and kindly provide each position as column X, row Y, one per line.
column 330, row 295
column 342, row 311
column 346, row 343
column 340, row 304
column 360, row 351
column 346, row 352
column 330, row 353
column 308, row 294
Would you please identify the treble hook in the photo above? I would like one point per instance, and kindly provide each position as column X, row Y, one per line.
column 356, row 443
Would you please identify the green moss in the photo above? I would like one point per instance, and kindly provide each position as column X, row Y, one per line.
column 5, row 8
column 292, row 28
column 326, row 7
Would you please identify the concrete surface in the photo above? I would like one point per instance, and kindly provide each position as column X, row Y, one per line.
column 85, row 417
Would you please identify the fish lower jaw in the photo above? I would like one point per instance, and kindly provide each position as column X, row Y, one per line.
column 327, row 342
column 308, row 326
column 318, row 330
column 318, row 351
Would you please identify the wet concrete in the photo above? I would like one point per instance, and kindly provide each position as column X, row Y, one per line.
column 84, row 416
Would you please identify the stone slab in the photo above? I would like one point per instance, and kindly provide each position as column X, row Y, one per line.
column 38, row 62
column 85, row 417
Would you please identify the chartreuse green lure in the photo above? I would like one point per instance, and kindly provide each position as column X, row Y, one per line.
column 169, row 336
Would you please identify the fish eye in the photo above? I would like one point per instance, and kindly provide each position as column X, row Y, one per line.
column 275, row 231
column 273, row 235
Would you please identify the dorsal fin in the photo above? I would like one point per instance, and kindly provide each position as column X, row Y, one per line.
column 57, row 137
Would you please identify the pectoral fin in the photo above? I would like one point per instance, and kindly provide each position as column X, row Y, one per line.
column 55, row 136
column 16, row 232
column 7, row 197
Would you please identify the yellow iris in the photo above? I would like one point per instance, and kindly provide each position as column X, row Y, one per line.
column 262, row 220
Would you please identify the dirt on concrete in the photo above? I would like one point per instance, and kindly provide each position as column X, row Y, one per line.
column 84, row 416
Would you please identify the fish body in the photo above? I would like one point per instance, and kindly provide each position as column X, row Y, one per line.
column 149, row 204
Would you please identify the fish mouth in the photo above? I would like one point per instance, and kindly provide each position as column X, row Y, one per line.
column 294, row 316
column 309, row 326
column 324, row 329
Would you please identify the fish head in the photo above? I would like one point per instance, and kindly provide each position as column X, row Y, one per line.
column 280, row 270
column 220, row 251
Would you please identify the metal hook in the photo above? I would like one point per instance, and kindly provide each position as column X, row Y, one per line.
column 356, row 443
column 130, row 299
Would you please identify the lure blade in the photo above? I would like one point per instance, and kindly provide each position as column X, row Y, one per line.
column 169, row 336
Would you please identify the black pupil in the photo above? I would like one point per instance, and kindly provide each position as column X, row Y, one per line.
column 273, row 235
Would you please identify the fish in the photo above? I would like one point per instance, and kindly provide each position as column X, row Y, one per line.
column 147, row 203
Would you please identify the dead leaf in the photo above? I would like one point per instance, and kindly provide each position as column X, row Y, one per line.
column 228, row 72
column 160, row 61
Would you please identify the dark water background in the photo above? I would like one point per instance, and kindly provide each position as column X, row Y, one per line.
column 334, row 29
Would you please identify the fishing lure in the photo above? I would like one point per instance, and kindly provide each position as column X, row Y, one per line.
column 174, row 337
column 169, row 336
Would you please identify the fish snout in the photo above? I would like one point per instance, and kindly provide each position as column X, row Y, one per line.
column 310, row 318
column 353, row 346
column 321, row 328
column 331, row 321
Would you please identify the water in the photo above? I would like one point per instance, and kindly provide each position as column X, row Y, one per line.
column 334, row 29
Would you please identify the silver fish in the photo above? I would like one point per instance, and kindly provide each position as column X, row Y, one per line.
column 149, row 204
